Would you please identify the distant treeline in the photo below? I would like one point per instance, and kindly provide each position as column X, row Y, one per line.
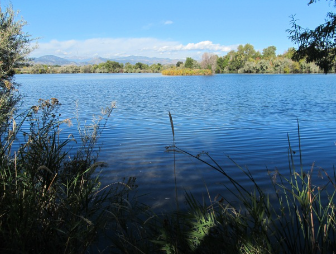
column 243, row 60
column 107, row 67
column 247, row 60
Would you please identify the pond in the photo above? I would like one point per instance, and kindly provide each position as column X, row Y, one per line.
column 246, row 117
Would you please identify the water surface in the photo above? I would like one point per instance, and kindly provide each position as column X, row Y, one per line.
column 246, row 117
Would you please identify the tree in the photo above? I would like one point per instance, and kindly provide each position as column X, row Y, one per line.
column 263, row 66
column 236, row 60
column 209, row 61
column 247, row 51
column 128, row 68
column 113, row 66
column 14, row 50
column 179, row 63
column 222, row 62
column 250, row 67
column 269, row 52
column 289, row 53
column 156, row 68
column 140, row 66
column 189, row 63
column 317, row 45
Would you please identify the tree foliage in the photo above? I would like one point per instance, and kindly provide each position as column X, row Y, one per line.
column 14, row 44
column 247, row 60
column 317, row 45
column 14, row 49
column 179, row 63
column 189, row 63
column 269, row 52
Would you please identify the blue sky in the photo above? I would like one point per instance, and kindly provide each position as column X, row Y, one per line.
column 170, row 29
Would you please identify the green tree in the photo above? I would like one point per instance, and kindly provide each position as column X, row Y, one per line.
column 317, row 45
column 86, row 69
column 236, row 60
column 264, row 66
column 14, row 49
column 250, row 67
column 269, row 52
column 289, row 53
column 156, row 68
column 247, row 51
column 128, row 68
column 141, row 66
column 242, row 56
column 113, row 66
column 179, row 63
column 189, row 63
column 222, row 63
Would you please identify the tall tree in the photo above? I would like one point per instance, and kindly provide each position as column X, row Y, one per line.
column 317, row 45
column 269, row 52
column 209, row 61
column 248, row 51
column 14, row 50
column 189, row 63
column 222, row 63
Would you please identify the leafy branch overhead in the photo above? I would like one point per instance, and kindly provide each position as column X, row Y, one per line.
column 317, row 45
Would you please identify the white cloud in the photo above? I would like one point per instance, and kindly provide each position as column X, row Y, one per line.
column 203, row 45
column 168, row 22
column 111, row 47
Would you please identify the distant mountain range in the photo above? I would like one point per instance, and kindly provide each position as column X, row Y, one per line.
column 55, row 60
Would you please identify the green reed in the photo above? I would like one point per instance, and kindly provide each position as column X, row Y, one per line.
column 300, row 219
column 52, row 201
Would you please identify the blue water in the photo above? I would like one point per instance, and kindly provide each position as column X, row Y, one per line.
column 246, row 117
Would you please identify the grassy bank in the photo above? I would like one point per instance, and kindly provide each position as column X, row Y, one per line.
column 186, row 72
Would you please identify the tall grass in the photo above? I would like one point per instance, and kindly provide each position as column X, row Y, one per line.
column 301, row 218
column 186, row 72
column 52, row 201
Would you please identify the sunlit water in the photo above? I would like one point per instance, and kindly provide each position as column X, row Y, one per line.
column 246, row 117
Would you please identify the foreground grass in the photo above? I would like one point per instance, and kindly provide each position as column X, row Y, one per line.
column 52, row 202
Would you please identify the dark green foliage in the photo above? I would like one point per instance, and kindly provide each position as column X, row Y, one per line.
column 179, row 63
column 222, row 62
column 14, row 48
column 317, row 45
column 269, row 52
column 140, row 66
column 189, row 63
column 111, row 66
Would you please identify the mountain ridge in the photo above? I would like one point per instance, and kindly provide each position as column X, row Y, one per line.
column 55, row 60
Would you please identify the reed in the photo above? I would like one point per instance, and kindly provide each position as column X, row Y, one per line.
column 51, row 201
column 186, row 72
column 299, row 220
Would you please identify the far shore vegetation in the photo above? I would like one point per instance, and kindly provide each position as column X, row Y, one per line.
column 243, row 60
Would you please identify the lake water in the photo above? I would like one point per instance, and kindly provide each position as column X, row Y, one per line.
column 246, row 117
